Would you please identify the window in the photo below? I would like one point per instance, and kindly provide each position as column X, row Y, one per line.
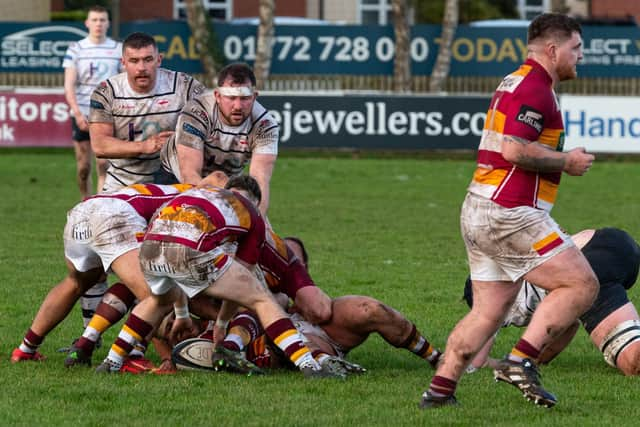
column 375, row 12
column 218, row 9
column 529, row 9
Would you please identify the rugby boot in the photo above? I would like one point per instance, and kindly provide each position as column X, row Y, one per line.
column 233, row 361
column 137, row 365
column 430, row 401
column 525, row 376
column 20, row 356
column 76, row 357
column 343, row 366
column 107, row 367
column 326, row 370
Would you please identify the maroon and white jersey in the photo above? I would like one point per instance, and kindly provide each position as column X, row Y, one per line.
column 205, row 218
column 136, row 117
column 145, row 199
column 283, row 271
column 103, row 227
column 524, row 106
column 225, row 148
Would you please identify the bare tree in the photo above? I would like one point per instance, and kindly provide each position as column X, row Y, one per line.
column 200, row 26
column 443, row 61
column 264, row 48
column 401, row 62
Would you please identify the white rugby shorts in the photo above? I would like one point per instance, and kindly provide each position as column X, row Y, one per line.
column 100, row 230
column 503, row 244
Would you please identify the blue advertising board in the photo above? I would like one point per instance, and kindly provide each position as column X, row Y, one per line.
column 330, row 49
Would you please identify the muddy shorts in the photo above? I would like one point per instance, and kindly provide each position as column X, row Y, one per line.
column 100, row 230
column 169, row 264
column 503, row 244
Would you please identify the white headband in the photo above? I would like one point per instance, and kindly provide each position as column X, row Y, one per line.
column 236, row 90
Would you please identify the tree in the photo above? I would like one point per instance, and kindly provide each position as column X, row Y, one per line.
column 401, row 62
column 443, row 61
column 264, row 45
column 204, row 39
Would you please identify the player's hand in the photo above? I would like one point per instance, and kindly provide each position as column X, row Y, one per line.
column 82, row 122
column 219, row 333
column 180, row 329
column 578, row 162
column 155, row 142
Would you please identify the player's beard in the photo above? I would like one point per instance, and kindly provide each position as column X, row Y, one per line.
column 235, row 118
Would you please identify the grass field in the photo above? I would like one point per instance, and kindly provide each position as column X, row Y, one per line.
column 381, row 227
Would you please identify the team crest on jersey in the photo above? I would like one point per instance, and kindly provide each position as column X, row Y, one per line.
column 531, row 117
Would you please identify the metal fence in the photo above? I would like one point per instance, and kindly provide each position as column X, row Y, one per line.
column 419, row 84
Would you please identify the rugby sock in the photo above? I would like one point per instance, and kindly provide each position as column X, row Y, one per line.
column 442, row 387
column 90, row 300
column 418, row 344
column 523, row 350
column 133, row 331
column 116, row 303
column 243, row 329
column 286, row 336
column 30, row 342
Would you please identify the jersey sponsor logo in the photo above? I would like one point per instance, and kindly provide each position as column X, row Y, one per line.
column 531, row 117
column 96, row 105
column 193, row 130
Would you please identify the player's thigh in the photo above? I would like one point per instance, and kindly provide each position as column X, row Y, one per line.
column 127, row 268
column 566, row 268
column 239, row 285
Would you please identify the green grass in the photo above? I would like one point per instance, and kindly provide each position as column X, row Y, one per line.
column 385, row 227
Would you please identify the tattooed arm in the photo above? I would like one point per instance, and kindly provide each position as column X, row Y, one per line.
column 531, row 155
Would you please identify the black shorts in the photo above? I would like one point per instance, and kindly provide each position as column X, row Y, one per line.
column 76, row 133
column 611, row 297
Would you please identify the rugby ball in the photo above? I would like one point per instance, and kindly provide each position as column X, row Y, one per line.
column 194, row 354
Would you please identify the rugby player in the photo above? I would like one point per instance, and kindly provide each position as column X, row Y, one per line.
column 101, row 235
column 354, row 318
column 612, row 322
column 133, row 113
column 225, row 129
column 86, row 63
column 505, row 219
column 207, row 240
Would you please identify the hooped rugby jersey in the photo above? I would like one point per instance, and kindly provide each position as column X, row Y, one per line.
column 136, row 117
column 204, row 218
column 93, row 63
column 226, row 148
column 145, row 198
column 283, row 271
column 524, row 105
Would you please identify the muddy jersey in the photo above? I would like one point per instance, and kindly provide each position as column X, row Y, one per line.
column 93, row 64
column 203, row 219
column 283, row 271
column 136, row 117
column 524, row 105
column 145, row 198
column 226, row 148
